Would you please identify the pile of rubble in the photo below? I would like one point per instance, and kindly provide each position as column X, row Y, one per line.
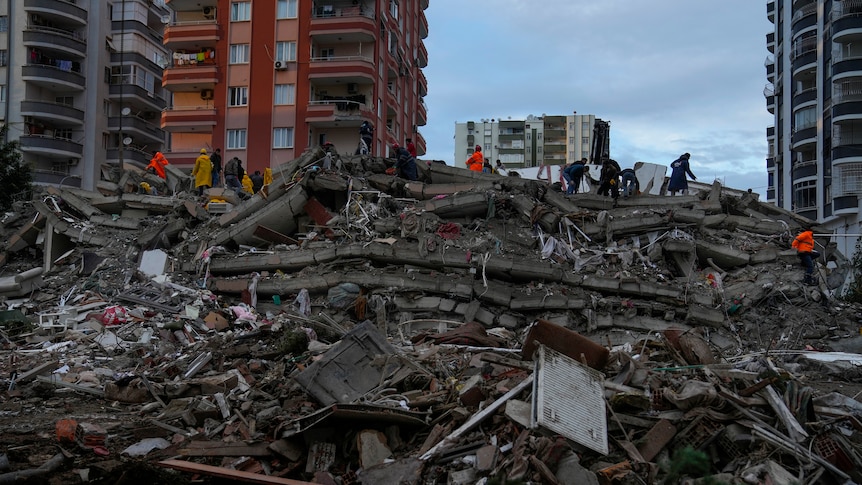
column 344, row 326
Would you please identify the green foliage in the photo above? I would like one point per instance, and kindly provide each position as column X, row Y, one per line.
column 15, row 175
column 853, row 293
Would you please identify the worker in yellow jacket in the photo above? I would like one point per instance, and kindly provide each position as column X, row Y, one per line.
column 203, row 172
column 247, row 184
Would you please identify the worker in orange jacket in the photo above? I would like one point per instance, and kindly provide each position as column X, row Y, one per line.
column 476, row 161
column 804, row 245
column 158, row 163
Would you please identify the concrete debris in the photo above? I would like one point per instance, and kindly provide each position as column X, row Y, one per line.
column 344, row 326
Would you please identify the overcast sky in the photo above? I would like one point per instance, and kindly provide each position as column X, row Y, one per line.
column 671, row 76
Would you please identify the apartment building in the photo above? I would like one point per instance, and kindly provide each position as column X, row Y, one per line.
column 263, row 81
column 80, row 85
column 530, row 142
column 814, row 89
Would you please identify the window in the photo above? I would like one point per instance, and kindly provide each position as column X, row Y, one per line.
column 236, row 139
column 238, row 96
column 285, row 94
column 585, row 140
column 285, row 51
column 805, row 118
column 4, row 57
column 393, row 8
column 805, row 195
column 282, row 138
column 286, row 9
column 240, row 11
column 106, row 108
column 64, row 100
column 2, row 93
column 4, row 23
column 238, row 54
column 327, row 53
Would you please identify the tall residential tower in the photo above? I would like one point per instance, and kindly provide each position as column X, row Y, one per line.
column 814, row 89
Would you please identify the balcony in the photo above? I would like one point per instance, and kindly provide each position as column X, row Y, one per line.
column 50, row 147
column 423, row 26
column 770, row 42
column 139, row 129
column 57, row 12
column 422, row 56
column 337, row 113
column 555, row 148
column 191, row 35
column 191, row 77
column 421, row 113
column 847, row 21
column 198, row 119
column 422, row 83
column 803, row 137
column 804, row 17
column 770, row 11
column 343, row 23
column 54, row 112
column 843, row 68
column 847, row 101
column 348, row 69
column 54, row 78
column 804, row 169
column 55, row 40
column 805, row 96
column 137, row 94
column 50, row 177
column 132, row 156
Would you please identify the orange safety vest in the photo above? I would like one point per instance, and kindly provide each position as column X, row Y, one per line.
column 476, row 161
column 804, row 242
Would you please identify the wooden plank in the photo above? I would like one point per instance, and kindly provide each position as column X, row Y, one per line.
column 220, row 448
column 217, row 471
column 518, row 364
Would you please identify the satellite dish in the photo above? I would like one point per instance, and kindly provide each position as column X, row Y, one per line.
column 126, row 111
column 127, row 141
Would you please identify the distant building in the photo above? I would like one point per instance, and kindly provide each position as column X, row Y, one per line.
column 814, row 164
column 530, row 142
column 80, row 85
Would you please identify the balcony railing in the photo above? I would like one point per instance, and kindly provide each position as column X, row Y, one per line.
column 847, row 91
column 803, row 46
column 805, row 11
column 333, row 9
column 847, row 8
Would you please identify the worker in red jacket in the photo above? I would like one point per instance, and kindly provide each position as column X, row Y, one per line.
column 476, row 161
column 804, row 245
column 157, row 164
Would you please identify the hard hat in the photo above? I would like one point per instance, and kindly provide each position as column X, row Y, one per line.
column 203, row 150
column 478, row 148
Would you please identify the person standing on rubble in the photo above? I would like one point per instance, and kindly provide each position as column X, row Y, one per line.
column 630, row 184
column 476, row 161
column 256, row 181
column 232, row 170
column 411, row 147
column 804, row 245
column 680, row 168
column 366, row 134
column 609, row 179
column 573, row 174
column 157, row 164
column 203, row 172
column 216, row 160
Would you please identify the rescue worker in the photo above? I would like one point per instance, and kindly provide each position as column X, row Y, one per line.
column 157, row 164
column 203, row 172
column 804, row 245
column 267, row 176
column 630, row 183
column 573, row 175
column 679, row 169
column 609, row 179
column 405, row 165
column 256, row 181
column 247, row 184
column 476, row 162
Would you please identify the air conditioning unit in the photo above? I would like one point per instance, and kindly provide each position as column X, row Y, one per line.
column 280, row 65
column 206, row 94
column 209, row 12
column 351, row 88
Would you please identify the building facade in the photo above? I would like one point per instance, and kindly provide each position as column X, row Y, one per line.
column 814, row 90
column 531, row 142
column 80, row 85
column 263, row 81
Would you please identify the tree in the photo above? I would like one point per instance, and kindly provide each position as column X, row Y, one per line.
column 15, row 175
